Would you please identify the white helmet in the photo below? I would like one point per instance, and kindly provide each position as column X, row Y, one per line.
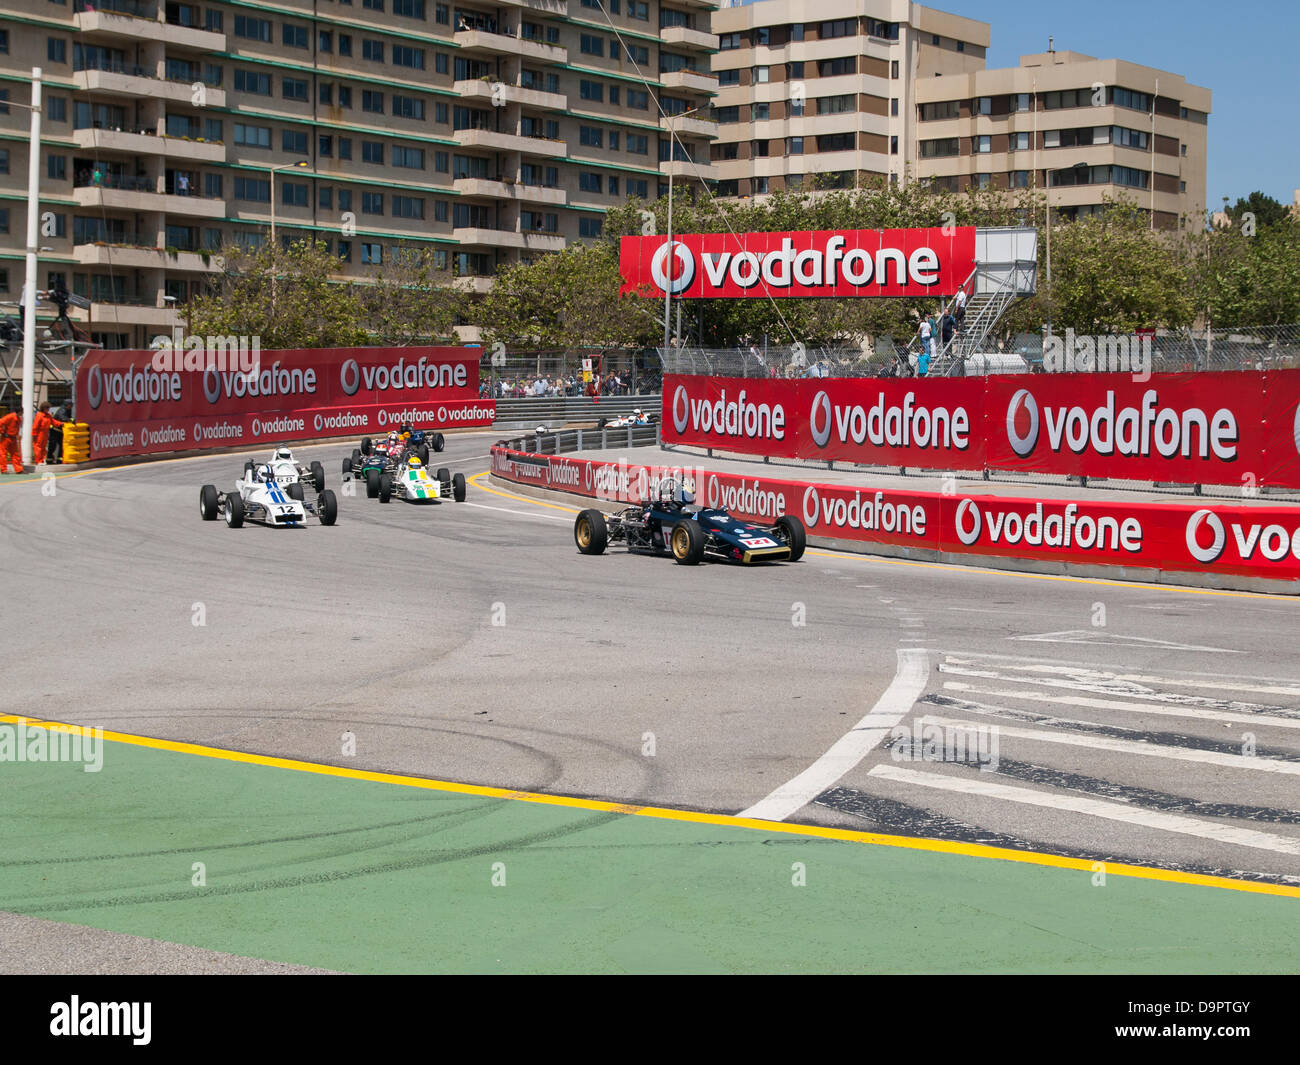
column 264, row 473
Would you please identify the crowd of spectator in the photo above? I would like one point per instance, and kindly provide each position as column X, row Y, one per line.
column 616, row 383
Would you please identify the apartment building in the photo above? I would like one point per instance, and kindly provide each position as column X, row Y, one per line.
column 1078, row 127
column 487, row 131
column 827, row 88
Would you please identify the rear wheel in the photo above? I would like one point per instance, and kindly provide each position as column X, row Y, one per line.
column 458, row 488
column 590, row 532
column 347, row 469
column 234, row 513
column 439, row 441
column 794, row 534
column 327, row 506
column 423, row 452
column 318, row 476
column 687, row 542
column 295, row 491
column 365, row 445
column 372, row 483
column 208, row 502
column 385, row 488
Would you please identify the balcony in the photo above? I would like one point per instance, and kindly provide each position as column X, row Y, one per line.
column 690, row 81
column 490, row 42
column 143, row 82
column 680, row 168
column 123, row 20
column 147, row 142
column 144, row 258
column 486, row 89
column 484, row 189
column 690, row 126
column 493, row 140
column 683, row 37
column 140, row 194
column 475, row 236
column 541, row 7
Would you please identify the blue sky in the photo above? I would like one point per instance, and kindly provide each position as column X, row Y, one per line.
column 1244, row 52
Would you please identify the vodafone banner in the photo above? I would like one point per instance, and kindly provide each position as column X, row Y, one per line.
column 1236, row 428
column 1242, row 541
column 849, row 262
column 134, row 409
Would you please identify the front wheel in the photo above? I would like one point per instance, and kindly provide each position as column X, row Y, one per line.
column 372, row 483
column 327, row 506
column 366, row 445
column 795, row 535
column 347, row 470
column 458, row 488
column 439, row 441
column 385, row 488
column 687, row 542
column 318, row 476
column 234, row 511
column 208, row 502
column 590, row 532
column 295, row 491
column 444, row 477
column 423, row 452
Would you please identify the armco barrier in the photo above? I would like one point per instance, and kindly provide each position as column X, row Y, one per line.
column 1231, row 428
column 135, row 407
column 1220, row 546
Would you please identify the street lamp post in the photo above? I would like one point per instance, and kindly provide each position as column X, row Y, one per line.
column 668, row 258
column 29, row 289
column 282, row 166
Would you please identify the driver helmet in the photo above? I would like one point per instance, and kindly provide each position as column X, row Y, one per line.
column 392, row 437
column 637, row 413
column 414, row 463
column 686, row 490
column 264, row 473
column 283, row 453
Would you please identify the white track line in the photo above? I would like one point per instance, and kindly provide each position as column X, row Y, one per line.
column 1109, row 743
column 893, row 705
column 1282, row 685
column 1197, row 713
column 1112, row 811
column 520, row 513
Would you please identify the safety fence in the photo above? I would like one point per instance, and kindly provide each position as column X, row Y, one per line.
column 1223, row 545
column 1236, row 431
column 569, row 373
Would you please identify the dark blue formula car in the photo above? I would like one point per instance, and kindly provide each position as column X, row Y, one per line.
column 673, row 523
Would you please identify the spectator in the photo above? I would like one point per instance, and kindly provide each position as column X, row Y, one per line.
column 960, row 313
column 926, row 331
column 947, row 327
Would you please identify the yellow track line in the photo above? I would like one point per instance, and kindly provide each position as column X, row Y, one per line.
column 972, row 850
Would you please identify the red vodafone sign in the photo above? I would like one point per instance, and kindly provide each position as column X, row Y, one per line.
column 833, row 262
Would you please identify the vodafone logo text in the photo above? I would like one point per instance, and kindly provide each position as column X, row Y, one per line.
column 1066, row 529
column 739, row 417
column 683, row 268
column 874, row 513
column 1207, row 539
column 1128, row 431
column 905, row 425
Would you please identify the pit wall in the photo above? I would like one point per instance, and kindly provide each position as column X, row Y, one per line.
column 1247, row 548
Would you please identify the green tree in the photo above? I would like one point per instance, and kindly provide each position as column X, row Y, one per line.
column 411, row 301
column 1267, row 210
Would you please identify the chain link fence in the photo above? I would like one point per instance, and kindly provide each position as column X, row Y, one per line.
column 572, row 373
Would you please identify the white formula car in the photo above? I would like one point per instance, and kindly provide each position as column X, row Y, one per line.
column 288, row 470
column 634, row 420
column 411, row 482
column 259, row 497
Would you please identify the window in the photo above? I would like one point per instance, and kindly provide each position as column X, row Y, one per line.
column 372, row 50
column 836, row 105
column 372, row 254
column 893, row 68
column 794, row 70
column 727, row 41
column 345, row 96
column 961, row 46
column 793, row 146
column 1018, row 179
column 935, row 112
column 1018, row 142
column 440, row 64
column 409, row 9
column 538, row 222
column 372, row 101
column 638, row 100
column 406, row 56
column 325, row 147
column 253, row 29
column 983, row 105
column 981, row 145
column 796, row 31
column 4, row 42
column 293, row 140
column 1135, row 101
column 638, row 53
column 887, row 31
column 981, row 181
column 758, row 149
column 589, row 44
column 413, row 158
column 893, row 145
column 893, row 107
column 372, row 152
column 294, row 89
column 844, row 27
column 293, row 36
column 212, row 130
column 56, row 167
column 325, row 41
column 763, row 35
column 638, row 144
column 762, row 186
column 637, row 9
column 293, row 193
column 637, row 187
column 213, row 187
column 345, row 147
column 408, row 207
column 372, row 203
column 830, row 68
column 4, row 160
column 57, row 111
column 935, row 149
column 441, row 162
column 1018, row 101
column 442, row 14
column 934, row 40
column 325, row 93
column 251, row 81
column 345, row 251
column 591, row 137
column 56, row 50
column 345, row 44
column 1183, row 149
column 345, row 199
column 760, row 111
column 255, row 190
column 613, row 140
column 213, row 21
column 440, row 113
column 591, row 90
column 613, row 186
column 590, row 182
column 761, row 75
column 727, row 115
column 589, row 228
column 252, row 136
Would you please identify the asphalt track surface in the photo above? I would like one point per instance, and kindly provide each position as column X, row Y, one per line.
column 1104, row 723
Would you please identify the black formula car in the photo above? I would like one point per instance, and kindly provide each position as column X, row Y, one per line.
column 673, row 523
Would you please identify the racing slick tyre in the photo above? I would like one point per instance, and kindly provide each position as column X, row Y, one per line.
column 794, row 533
column 422, row 452
column 601, row 423
column 208, row 502
column 356, row 456
column 444, row 477
column 687, row 542
column 234, row 511
column 318, row 476
column 590, row 532
column 347, row 469
column 372, row 483
column 385, row 488
column 458, row 488
column 365, row 445
column 327, row 506
column 294, row 491
column 439, row 441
